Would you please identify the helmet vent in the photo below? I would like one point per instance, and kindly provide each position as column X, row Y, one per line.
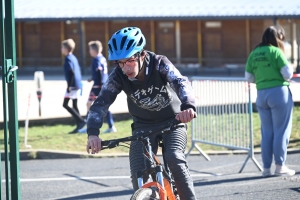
column 129, row 44
column 140, row 42
column 125, row 31
column 117, row 32
column 123, row 42
column 115, row 44
column 137, row 33
column 110, row 49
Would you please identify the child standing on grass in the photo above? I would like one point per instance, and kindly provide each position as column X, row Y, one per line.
column 99, row 77
column 73, row 78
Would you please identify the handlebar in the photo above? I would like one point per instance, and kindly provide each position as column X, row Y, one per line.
column 109, row 144
column 172, row 125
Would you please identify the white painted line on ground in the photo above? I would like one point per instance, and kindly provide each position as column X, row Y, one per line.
column 204, row 175
column 71, row 178
column 90, row 178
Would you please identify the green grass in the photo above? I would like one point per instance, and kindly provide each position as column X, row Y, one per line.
column 57, row 137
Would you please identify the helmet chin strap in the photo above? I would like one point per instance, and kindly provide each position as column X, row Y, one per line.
column 140, row 67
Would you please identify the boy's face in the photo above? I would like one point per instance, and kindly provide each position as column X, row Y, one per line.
column 130, row 66
column 93, row 53
column 64, row 50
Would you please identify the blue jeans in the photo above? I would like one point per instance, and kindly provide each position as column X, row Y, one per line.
column 275, row 107
column 109, row 119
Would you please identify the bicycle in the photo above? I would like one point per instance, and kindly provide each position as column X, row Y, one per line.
column 162, row 186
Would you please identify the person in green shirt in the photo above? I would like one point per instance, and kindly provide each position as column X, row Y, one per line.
column 268, row 67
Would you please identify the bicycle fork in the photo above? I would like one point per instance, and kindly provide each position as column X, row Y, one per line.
column 150, row 167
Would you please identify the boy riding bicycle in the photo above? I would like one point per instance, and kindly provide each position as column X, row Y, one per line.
column 156, row 93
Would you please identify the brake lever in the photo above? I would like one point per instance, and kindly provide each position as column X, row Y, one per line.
column 105, row 143
column 109, row 144
column 175, row 126
column 113, row 144
column 103, row 148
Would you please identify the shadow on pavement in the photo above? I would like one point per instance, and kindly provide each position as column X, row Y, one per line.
column 215, row 182
column 100, row 195
column 201, row 172
column 296, row 189
column 89, row 181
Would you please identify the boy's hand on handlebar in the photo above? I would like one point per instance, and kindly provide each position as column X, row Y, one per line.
column 186, row 116
column 93, row 144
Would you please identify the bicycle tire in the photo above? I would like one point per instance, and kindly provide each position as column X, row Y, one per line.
column 145, row 194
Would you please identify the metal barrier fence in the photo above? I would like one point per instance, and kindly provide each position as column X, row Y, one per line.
column 10, row 107
column 224, row 109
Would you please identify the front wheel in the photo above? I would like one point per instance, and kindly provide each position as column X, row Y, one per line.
column 146, row 194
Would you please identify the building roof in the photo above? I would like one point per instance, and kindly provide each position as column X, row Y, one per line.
column 154, row 9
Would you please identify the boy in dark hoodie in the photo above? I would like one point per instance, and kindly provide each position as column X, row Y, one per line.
column 156, row 94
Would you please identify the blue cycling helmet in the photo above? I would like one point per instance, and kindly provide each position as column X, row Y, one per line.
column 125, row 43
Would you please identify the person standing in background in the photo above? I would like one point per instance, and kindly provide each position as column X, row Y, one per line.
column 99, row 77
column 73, row 78
column 268, row 67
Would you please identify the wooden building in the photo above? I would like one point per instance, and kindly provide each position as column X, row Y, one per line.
column 210, row 34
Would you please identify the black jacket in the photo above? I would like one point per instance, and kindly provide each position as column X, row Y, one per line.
column 163, row 94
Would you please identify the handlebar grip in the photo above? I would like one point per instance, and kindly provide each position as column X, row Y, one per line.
column 104, row 143
column 178, row 122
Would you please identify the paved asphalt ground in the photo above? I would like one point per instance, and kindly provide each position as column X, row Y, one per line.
column 108, row 178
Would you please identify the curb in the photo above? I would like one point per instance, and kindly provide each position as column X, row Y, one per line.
column 54, row 154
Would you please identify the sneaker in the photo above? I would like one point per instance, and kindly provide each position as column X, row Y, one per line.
column 83, row 130
column 111, row 130
column 81, row 125
column 74, row 131
column 266, row 173
column 284, row 171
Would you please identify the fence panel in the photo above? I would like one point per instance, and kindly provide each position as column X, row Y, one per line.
column 224, row 109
